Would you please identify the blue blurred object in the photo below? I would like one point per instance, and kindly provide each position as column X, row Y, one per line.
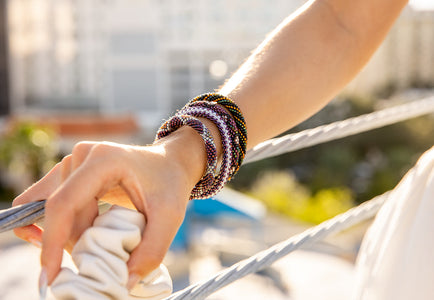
column 228, row 203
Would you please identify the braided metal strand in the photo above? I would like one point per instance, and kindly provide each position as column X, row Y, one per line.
column 265, row 258
column 337, row 130
column 27, row 214
column 21, row 215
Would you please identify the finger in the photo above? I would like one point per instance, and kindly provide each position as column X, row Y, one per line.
column 80, row 152
column 31, row 234
column 48, row 184
column 66, row 167
column 82, row 221
column 73, row 203
column 41, row 189
column 149, row 254
column 38, row 191
column 51, row 255
column 116, row 195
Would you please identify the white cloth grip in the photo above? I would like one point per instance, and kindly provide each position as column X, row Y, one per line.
column 101, row 254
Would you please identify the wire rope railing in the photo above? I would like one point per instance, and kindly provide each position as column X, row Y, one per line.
column 340, row 129
column 32, row 212
column 29, row 214
column 267, row 257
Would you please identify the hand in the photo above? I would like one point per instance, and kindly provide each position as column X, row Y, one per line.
column 156, row 179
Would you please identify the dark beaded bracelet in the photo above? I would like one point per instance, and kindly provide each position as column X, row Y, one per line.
column 226, row 115
column 178, row 121
column 238, row 118
column 204, row 106
column 227, row 163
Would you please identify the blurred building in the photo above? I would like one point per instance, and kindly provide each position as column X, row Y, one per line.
column 406, row 57
column 147, row 58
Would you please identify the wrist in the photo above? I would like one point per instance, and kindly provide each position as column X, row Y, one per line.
column 186, row 148
column 221, row 128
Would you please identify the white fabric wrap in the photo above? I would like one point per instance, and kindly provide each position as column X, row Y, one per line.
column 396, row 260
column 101, row 255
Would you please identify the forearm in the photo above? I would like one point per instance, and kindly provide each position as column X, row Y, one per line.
column 302, row 64
column 306, row 61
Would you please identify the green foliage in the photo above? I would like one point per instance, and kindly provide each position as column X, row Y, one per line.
column 368, row 164
column 27, row 151
column 327, row 203
column 282, row 193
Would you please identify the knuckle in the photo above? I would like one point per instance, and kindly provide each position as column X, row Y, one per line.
column 105, row 150
column 66, row 160
column 82, row 148
column 102, row 148
column 56, row 167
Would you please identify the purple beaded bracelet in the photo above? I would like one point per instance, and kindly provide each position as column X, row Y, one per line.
column 228, row 119
column 203, row 191
column 178, row 121
column 235, row 111
column 231, row 126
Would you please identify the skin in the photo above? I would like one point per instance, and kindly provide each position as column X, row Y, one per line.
column 298, row 68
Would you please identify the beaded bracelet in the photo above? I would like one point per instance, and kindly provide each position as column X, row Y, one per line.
column 237, row 115
column 178, row 121
column 201, row 108
column 232, row 128
column 223, row 176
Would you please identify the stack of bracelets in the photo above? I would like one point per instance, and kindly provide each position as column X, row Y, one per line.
column 226, row 115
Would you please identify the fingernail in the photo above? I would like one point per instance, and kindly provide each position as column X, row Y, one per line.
column 43, row 284
column 36, row 243
column 132, row 280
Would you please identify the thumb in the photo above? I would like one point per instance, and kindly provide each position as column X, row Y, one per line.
column 149, row 254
